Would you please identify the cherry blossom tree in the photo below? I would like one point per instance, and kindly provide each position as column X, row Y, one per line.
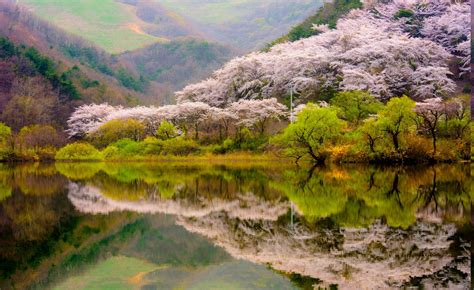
column 388, row 50
column 444, row 22
column 88, row 117
column 257, row 113
column 191, row 114
column 224, row 119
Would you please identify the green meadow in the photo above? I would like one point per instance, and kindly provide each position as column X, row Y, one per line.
column 107, row 23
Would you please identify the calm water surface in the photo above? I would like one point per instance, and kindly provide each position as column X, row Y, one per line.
column 152, row 226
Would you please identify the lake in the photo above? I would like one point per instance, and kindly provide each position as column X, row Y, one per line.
column 234, row 226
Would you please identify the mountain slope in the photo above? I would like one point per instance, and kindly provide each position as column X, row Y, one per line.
column 127, row 82
column 173, row 65
column 107, row 23
column 245, row 24
column 23, row 28
column 123, row 25
column 328, row 14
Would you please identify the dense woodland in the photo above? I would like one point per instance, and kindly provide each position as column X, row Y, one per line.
column 386, row 83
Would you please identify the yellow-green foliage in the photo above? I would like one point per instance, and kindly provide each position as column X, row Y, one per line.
column 357, row 196
column 78, row 151
column 37, row 142
column 166, row 131
column 5, row 141
column 396, row 119
column 313, row 130
column 356, row 105
column 116, row 130
column 79, row 170
column 150, row 148
column 180, row 147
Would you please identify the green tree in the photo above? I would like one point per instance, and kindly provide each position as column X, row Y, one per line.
column 396, row 119
column 166, row 131
column 5, row 141
column 313, row 128
column 38, row 142
column 356, row 105
column 372, row 133
column 115, row 130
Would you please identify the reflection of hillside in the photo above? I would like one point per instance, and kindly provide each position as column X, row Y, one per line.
column 34, row 179
column 377, row 257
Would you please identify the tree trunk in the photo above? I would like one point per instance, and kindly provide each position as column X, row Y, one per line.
column 395, row 141
column 371, row 143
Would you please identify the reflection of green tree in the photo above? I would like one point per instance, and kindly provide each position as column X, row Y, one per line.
column 79, row 170
column 5, row 188
column 37, row 178
column 138, row 181
column 314, row 196
column 356, row 196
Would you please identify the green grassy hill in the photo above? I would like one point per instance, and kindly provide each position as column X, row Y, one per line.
column 125, row 25
column 107, row 23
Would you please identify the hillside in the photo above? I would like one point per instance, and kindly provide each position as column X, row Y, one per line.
column 124, row 25
column 23, row 28
column 127, row 82
column 328, row 14
column 245, row 24
column 109, row 24
column 173, row 65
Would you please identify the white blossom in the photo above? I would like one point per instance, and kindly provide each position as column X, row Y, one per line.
column 256, row 113
column 87, row 117
column 372, row 49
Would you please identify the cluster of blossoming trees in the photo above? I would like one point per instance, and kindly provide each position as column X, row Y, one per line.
column 403, row 47
column 195, row 116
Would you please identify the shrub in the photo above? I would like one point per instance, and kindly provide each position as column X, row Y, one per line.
column 418, row 148
column 78, row 151
column 179, row 146
column 227, row 146
column 124, row 148
column 152, row 146
column 111, row 152
column 253, row 144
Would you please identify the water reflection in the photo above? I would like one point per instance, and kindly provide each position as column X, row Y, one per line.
column 352, row 226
